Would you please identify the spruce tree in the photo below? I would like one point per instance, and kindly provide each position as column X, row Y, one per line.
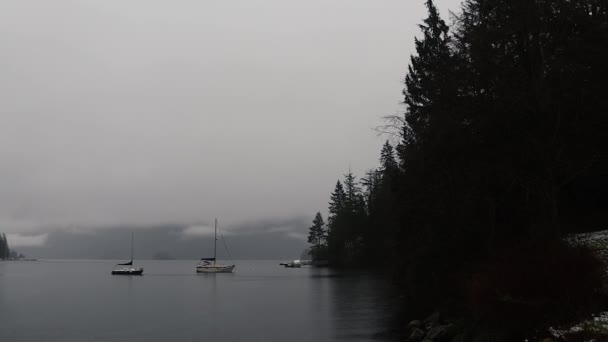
column 388, row 163
column 337, row 201
column 371, row 187
column 317, row 237
column 428, row 78
column 336, row 222
column 347, row 221
column 352, row 193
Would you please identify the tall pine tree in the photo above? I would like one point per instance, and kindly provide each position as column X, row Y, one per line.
column 317, row 237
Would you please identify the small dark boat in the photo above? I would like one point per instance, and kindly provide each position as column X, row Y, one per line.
column 127, row 267
column 127, row 270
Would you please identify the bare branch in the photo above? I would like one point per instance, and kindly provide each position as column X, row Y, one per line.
column 392, row 128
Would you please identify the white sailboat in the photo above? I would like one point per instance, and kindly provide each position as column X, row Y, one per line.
column 209, row 265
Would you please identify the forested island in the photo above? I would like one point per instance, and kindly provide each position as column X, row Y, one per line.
column 500, row 156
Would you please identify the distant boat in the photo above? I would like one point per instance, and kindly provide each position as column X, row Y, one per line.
column 124, row 269
column 292, row 264
column 208, row 265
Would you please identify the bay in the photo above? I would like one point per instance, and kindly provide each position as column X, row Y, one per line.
column 78, row 300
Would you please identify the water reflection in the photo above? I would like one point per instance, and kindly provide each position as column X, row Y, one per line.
column 5, row 308
column 359, row 306
column 80, row 300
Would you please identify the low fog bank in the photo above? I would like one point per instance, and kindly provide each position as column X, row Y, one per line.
column 284, row 239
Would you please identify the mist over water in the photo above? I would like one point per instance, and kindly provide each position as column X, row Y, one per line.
column 268, row 240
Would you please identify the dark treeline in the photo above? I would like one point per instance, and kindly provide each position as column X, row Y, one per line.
column 5, row 251
column 501, row 154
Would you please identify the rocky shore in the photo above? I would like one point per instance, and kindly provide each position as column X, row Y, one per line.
column 432, row 329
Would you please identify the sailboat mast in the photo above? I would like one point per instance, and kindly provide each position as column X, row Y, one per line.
column 215, row 243
column 132, row 246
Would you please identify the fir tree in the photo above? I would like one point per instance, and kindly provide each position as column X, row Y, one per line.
column 428, row 78
column 371, row 185
column 317, row 237
column 388, row 163
column 347, row 221
column 355, row 203
column 337, row 200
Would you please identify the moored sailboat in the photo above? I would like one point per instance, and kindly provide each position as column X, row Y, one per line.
column 209, row 265
column 127, row 267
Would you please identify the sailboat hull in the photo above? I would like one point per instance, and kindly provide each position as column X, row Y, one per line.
column 214, row 269
column 128, row 271
column 127, row 267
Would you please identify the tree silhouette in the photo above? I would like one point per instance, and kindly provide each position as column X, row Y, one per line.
column 5, row 251
column 502, row 149
column 317, row 237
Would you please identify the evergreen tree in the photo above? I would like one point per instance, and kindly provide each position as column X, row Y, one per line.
column 371, row 187
column 375, row 183
column 429, row 78
column 335, row 230
column 317, row 237
column 337, row 201
column 433, row 141
column 388, row 163
column 4, row 249
column 347, row 222
column 352, row 193
column 382, row 191
column 429, row 153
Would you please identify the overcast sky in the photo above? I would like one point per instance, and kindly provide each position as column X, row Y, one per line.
column 145, row 112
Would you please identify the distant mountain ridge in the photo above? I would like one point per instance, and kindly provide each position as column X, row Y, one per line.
column 168, row 242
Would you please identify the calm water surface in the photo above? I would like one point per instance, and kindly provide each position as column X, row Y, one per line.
column 58, row 300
